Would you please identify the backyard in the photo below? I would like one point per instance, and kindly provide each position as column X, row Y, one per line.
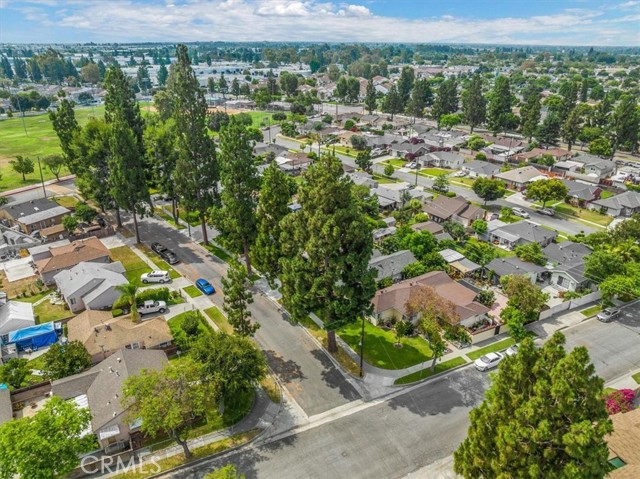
column 380, row 346
column 134, row 265
column 45, row 312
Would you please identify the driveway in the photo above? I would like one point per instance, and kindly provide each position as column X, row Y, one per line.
column 305, row 370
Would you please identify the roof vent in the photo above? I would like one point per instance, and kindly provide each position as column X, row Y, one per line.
column 119, row 360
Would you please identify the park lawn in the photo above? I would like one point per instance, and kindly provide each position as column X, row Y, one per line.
column 159, row 262
column 134, row 265
column 592, row 311
column 427, row 372
column 492, row 348
column 192, row 291
column 584, row 214
column 219, row 252
column 259, row 118
column 219, row 319
column 46, row 312
column 380, row 349
column 162, row 213
column 636, row 377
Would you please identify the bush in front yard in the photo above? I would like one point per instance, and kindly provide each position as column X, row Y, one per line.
column 620, row 401
column 154, row 294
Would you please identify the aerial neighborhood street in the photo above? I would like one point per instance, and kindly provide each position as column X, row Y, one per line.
column 274, row 259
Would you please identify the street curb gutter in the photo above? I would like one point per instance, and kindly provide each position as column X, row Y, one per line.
column 433, row 376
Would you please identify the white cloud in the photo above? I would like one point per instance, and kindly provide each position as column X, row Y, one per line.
column 629, row 5
column 324, row 20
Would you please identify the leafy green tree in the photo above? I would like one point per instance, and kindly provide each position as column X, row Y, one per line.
column 34, row 70
column 571, row 128
column 474, row 104
column 191, row 323
column 523, row 295
column 359, row 142
column 489, row 189
column 405, row 84
column 14, row 372
column 128, row 299
column 20, row 68
column 327, row 246
column 420, row 243
column 120, row 102
column 456, row 230
column 363, row 159
column 47, row 445
column 54, row 163
column 90, row 73
column 389, row 169
column 22, row 165
column 625, row 123
column 441, row 183
column 499, row 114
column 370, row 97
column 273, row 205
column 531, row 253
column 412, row 270
column 235, row 219
column 233, row 364
column 421, row 98
column 392, row 102
column 70, row 223
column 223, row 86
column 62, row 360
column 449, row 121
column 547, row 190
column 479, row 227
column 600, row 146
column 235, row 87
column 237, row 298
column 569, row 92
column 196, row 173
column 5, row 67
column 65, row 125
column 169, row 400
column 549, row 131
column 480, row 252
column 602, row 264
column 530, row 113
column 160, row 144
column 127, row 179
column 162, row 76
column 625, row 287
column 446, row 101
column 529, row 425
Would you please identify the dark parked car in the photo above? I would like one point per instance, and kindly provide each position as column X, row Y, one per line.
column 165, row 253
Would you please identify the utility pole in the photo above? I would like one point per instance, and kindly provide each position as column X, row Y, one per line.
column 44, row 190
column 362, row 348
column 24, row 126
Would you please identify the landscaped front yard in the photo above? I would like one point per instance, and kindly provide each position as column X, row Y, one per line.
column 380, row 346
column 192, row 291
column 427, row 372
column 219, row 319
column 396, row 162
column 435, row 171
column 134, row 265
column 584, row 214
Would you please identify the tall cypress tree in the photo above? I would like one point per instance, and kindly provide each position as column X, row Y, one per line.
column 392, row 102
column 66, row 126
column 530, row 112
column 120, row 100
column 237, row 298
column 625, row 123
column 196, row 178
column 499, row 115
column 235, row 219
column 474, row 104
column 273, row 205
column 34, row 70
column 405, row 85
column 421, row 98
column 446, row 101
column 327, row 246
column 370, row 97
column 571, row 127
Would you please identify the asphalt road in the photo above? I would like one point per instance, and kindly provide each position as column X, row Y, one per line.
column 385, row 440
column 304, row 369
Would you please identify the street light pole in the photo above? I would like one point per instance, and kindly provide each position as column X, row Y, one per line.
column 362, row 348
column 44, row 190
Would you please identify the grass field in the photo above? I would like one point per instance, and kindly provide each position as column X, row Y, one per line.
column 427, row 372
column 380, row 349
column 192, row 291
column 584, row 214
column 592, row 311
column 636, row 377
column 492, row 348
column 133, row 264
column 46, row 312
column 220, row 319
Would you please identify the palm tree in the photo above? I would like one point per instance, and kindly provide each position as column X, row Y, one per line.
column 128, row 297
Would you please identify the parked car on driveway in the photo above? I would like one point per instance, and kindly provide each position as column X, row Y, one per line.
column 547, row 212
column 152, row 307
column 488, row 361
column 520, row 212
column 155, row 277
column 204, row 286
column 512, row 350
column 412, row 165
column 607, row 315
column 165, row 253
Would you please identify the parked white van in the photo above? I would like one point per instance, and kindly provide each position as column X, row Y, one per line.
column 155, row 277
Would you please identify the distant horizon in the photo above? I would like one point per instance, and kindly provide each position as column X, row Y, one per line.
column 517, row 23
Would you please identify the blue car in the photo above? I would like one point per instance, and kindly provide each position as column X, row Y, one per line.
column 204, row 286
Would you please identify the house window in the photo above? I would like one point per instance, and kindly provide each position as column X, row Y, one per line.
column 72, row 301
column 615, row 463
column 560, row 280
column 133, row 346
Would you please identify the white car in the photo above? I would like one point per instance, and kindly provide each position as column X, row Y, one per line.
column 512, row 350
column 155, row 277
column 520, row 212
column 149, row 307
column 488, row 361
column 411, row 165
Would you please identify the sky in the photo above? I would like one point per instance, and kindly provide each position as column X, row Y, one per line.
column 530, row 22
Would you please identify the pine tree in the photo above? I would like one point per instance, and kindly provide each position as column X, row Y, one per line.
column 235, row 88
column 65, row 125
column 530, row 112
column 370, row 97
column 421, row 98
column 34, row 70
column 120, row 100
column 473, row 103
column 5, row 67
column 571, row 128
column 237, row 298
column 446, row 101
column 273, row 205
column 163, row 73
column 235, row 219
column 160, row 145
column 569, row 92
column 625, row 123
column 405, row 85
column 543, row 416
column 20, row 68
column 327, row 246
column 392, row 102
column 196, row 178
column 549, row 131
column 499, row 114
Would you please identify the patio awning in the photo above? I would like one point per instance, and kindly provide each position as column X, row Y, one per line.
column 465, row 266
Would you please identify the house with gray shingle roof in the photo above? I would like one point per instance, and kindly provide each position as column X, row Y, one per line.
column 582, row 194
column 624, row 204
column 594, row 165
column 392, row 265
column 500, row 267
column 481, row 169
column 566, row 263
column 522, row 232
column 519, row 178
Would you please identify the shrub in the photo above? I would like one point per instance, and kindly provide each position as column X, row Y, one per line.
column 154, row 294
column 620, row 401
column 450, row 194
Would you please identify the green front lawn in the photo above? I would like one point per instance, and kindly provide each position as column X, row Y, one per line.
column 584, row 214
column 66, row 201
column 35, row 298
column 384, row 179
column 219, row 319
column 219, row 252
column 159, row 262
column 380, row 349
column 192, row 291
column 636, row 377
column 46, row 312
column 492, row 348
column 134, row 265
column 435, row 171
column 427, row 372
column 605, row 194
column 162, row 213
column 592, row 311
column 396, row 162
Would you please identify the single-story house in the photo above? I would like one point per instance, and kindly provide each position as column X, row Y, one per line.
column 382, row 233
column 450, row 255
column 519, row 178
column 594, row 165
column 15, row 315
column 409, row 150
column 391, row 197
column 624, row 454
column 100, row 389
column 364, row 179
column 558, row 154
column 457, row 209
column 392, row 265
column 430, row 226
column 391, row 302
column 264, row 148
column 566, row 263
column 103, row 335
column 625, row 204
column 522, row 232
column 293, row 163
column 501, row 267
column 91, row 285
column 581, row 194
column 443, row 159
column 33, row 215
column 382, row 141
column 481, row 169
column 65, row 257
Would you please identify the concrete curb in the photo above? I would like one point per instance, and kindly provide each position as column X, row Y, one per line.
column 36, row 186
